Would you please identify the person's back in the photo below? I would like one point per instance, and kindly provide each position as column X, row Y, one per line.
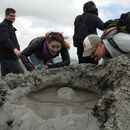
column 92, row 22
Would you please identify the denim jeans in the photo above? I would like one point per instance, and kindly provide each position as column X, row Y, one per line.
column 38, row 63
column 11, row 66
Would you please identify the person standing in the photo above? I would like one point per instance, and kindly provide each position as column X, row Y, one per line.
column 86, row 24
column 9, row 46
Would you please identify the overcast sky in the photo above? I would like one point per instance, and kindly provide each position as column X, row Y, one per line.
column 35, row 18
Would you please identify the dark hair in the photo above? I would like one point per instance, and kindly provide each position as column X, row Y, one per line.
column 9, row 10
column 90, row 7
column 55, row 36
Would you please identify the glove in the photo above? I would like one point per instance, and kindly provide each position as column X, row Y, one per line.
column 107, row 23
column 34, row 69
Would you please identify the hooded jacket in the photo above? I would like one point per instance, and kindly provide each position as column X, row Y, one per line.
column 92, row 22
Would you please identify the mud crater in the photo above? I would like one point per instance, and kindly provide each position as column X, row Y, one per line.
column 55, row 101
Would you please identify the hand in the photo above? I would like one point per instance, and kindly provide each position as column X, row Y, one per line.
column 17, row 52
column 34, row 70
column 107, row 23
column 49, row 63
column 46, row 66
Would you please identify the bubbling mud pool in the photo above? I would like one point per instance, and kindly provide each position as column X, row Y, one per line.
column 54, row 102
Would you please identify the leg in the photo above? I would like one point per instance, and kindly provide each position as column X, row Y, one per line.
column 80, row 59
column 15, row 67
column 84, row 59
column 11, row 66
column 38, row 63
column 4, row 69
column 80, row 53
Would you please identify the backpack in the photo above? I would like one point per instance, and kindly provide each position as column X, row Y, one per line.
column 122, row 24
column 80, row 30
column 112, row 27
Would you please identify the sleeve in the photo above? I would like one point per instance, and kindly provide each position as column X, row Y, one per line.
column 33, row 46
column 5, row 38
column 99, row 23
column 76, row 40
column 65, row 59
column 76, row 19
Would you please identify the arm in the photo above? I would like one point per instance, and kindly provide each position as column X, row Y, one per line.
column 99, row 23
column 65, row 57
column 5, row 38
column 27, row 52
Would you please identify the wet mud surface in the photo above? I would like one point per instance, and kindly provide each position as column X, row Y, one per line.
column 53, row 102
column 77, row 97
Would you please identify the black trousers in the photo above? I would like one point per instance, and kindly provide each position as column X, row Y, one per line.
column 11, row 66
column 84, row 59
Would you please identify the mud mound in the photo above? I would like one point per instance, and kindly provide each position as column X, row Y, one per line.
column 78, row 97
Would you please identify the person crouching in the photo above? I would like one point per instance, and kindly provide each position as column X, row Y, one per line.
column 42, row 50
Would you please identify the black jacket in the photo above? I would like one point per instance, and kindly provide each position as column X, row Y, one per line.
column 8, row 40
column 36, row 46
column 92, row 23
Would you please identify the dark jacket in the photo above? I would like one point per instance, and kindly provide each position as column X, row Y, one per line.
column 92, row 23
column 8, row 40
column 36, row 46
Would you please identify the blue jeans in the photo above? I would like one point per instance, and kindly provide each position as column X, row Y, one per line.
column 38, row 63
column 11, row 66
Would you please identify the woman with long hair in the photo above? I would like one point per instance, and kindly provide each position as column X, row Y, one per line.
column 42, row 50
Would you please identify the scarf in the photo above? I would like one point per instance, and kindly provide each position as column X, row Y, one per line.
column 46, row 54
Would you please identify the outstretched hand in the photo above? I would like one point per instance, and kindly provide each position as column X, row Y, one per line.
column 34, row 70
column 47, row 65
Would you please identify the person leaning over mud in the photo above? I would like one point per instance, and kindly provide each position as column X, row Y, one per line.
column 99, row 48
column 86, row 24
column 42, row 50
column 9, row 46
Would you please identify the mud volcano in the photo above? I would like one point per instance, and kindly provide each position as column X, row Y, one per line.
column 78, row 97
column 55, row 102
